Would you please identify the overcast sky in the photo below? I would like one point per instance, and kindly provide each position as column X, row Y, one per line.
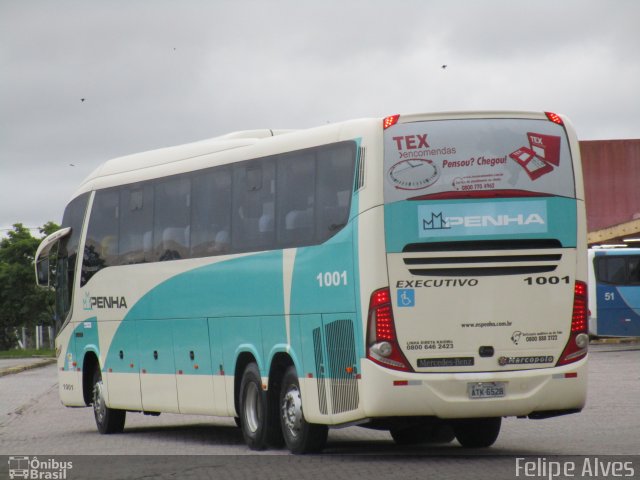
column 159, row 73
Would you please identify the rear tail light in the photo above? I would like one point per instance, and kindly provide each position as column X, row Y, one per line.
column 382, row 343
column 554, row 117
column 390, row 121
column 578, row 343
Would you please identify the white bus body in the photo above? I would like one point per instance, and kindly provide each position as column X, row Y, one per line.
column 420, row 273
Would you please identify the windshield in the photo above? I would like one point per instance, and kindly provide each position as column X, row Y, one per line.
column 67, row 256
column 451, row 158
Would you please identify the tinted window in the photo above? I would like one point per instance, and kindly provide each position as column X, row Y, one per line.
column 296, row 199
column 291, row 200
column 136, row 224
column 447, row 156
column 67, row 255
column 172, row 218
column 253, row 216
column 211, row 212
column 335, row 184
column 618, row 270
column 633, row 269
column 101, row 246
column 73, row 217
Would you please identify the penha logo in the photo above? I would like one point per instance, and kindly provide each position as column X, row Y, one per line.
column 437, row 222
column 482, row 218
column 89, row 302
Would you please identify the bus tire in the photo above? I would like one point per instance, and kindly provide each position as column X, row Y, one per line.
column 299, row 435
column 108, row 420
column 477, row 432
column 254, row 412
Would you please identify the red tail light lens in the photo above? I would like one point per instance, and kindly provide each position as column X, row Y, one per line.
column 578, row 343
column 554, row 117
column 390, row 121
column 580, row 317
column 382, row 343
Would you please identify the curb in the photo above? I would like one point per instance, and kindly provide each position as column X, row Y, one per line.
column 22, row 368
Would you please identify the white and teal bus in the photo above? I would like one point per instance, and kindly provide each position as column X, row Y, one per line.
column 423, row 274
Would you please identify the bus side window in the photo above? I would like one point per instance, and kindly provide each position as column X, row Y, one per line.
column 136, row 224
column 616, row 270
column 101, row 246
column 210, row 212
column 296, row 199
column 335, row 184
column 612, row 270
column 172, row 209
column 634, row 270
column 253, row 205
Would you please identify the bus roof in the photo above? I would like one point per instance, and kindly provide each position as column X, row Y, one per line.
column 202, row 154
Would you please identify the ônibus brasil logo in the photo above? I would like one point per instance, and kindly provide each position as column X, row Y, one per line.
column 27, row 467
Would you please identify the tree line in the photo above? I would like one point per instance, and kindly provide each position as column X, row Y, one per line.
column 22, row 303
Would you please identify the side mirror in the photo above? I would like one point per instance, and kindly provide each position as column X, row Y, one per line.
column 42, row 263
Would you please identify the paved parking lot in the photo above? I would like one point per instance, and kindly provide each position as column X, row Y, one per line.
column 33, row 422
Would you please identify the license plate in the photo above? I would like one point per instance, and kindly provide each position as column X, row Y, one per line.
column 486, row 390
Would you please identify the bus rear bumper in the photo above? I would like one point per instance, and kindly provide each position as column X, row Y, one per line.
column 389, row 393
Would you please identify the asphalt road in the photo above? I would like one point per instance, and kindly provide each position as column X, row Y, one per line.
column 34, row 423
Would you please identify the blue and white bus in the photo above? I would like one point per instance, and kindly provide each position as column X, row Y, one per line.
column 614, row 292
column 424, row 274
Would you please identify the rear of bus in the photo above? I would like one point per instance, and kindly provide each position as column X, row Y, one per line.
column 485, row 313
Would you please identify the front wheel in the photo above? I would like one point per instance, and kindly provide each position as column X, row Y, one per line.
column 477, row 432
column 108, row 420
column 299, row 435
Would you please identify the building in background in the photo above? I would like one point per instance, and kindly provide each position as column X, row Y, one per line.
column 611, row 171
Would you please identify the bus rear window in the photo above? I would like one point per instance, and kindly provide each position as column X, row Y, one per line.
column 477, row 157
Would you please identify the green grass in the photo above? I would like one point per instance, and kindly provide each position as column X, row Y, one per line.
column 31, row 352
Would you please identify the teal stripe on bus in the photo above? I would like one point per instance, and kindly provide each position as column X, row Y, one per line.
column 493, row 219
column 243, row 301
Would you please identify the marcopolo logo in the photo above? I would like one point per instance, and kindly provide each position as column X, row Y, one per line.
column 89, row 302
column 502, row 361
column 495, row 218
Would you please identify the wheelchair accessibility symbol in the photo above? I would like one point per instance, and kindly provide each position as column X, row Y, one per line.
column 406, row 297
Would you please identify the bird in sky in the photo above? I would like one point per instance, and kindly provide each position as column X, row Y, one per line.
column 444, row 67
column 82, row 99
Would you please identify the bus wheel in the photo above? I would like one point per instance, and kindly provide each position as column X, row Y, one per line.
column 253, row 409
column 477, row 432
column 300, row 436
column 108, row 419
